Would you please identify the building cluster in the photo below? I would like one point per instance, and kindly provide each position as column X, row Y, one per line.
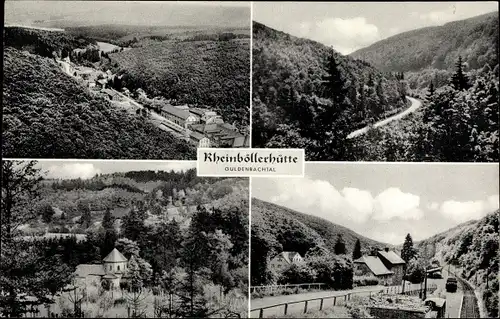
column 205, row 127
column 284, row 259
column 386, row 266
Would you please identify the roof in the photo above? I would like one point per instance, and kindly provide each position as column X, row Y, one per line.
column 288, row 255
column 439, row 302
column 374, row 264
column 392, row 257
column 115, row 257
column 84, row 270
column 109, row 92
column 197, row 136
column 183, row 114
column 110, row 276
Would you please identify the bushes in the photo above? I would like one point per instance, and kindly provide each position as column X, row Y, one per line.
column 365, row 281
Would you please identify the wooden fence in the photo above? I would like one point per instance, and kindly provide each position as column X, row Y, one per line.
column 341, row 297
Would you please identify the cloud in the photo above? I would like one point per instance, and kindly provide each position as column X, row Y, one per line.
column 392, row 203
column 433, row 206
column 73, row 170
column 320, row 198
column 464, row 211
column 345, row 35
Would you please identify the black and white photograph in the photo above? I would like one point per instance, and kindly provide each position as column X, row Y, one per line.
column 125, row 79
column 377, row 81
column 122, row 239
column 353, row 240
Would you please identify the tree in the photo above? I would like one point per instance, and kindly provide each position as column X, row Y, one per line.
column 339, row 247
column 20, row 182
column 47, row 213
column 459, row 79
column 430, row 91
column 408, row 252
column 86, row 218
column 356, row 253
column 107, row 220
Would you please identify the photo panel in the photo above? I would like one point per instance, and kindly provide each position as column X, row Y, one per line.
column 381, row 240
column 381, row 81
column 125, row 80
column 122, row 239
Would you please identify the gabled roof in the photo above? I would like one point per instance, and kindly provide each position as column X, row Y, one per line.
column 391, row 257
column 183, row 114
column 84, row 270
column 374, row 264
column 115, row 257
column 288, row 255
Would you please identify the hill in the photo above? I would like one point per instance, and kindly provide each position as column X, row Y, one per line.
column 296, row 231
column 475, row 39
column 212, row 73
column 471, row 247
column 291, row 96
column 47, row 114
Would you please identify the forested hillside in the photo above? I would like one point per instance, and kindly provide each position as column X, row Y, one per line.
column 195, row 254
column 212, row 73
column 475, row 39
column 46, row 114
column 41, row 42
column 276, row 229
column 457, row 123
column 306, row 95
column 472, row 247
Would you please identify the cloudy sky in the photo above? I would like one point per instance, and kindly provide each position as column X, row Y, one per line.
column 88, row 169
column 386, row 201
column 170, row 13
column 354, row 25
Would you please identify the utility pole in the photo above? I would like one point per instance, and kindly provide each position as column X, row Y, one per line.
column 425, row 284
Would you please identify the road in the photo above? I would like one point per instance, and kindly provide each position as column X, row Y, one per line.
column 415, row 104
column 453, row 299
column 299, row 307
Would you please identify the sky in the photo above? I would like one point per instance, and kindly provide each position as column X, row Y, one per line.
column 387, row 201
column 68, row 169
column 158, row 13
column 349, row 26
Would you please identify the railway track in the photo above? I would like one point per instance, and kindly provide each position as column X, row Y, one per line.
column 470, row 307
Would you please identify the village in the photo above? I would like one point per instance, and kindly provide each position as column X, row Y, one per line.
column 199, row 126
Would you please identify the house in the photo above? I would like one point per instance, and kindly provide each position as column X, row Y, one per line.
column 394, row 263
column 112, row 95
column 373, row 266
column 284, row 259
column 102, row 83
column 180, row 117
column 207, row 116
column 386, row 266
column 113, row 269
column 204, row 142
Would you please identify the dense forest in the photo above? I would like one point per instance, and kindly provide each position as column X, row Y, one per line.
column 306, row 95
column 457, row 123
column 43, row 43
column 328, row 248
column 475, row 39
column 211, row 73
column 46, row 114
column 193, row 267
column 472, row 247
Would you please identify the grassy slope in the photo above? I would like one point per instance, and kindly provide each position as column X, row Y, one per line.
column 213, row 73
column 273, row 217
column 48, row 115
column 475, row 39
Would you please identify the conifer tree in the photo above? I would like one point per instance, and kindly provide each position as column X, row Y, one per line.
column 408, row 252
column 339, row 247
column 356, row 253
column 459, row 79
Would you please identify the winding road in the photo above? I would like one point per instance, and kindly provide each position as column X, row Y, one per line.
column 415, row 104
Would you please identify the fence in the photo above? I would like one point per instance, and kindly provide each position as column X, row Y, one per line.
column 341, row 297
column 278, row 288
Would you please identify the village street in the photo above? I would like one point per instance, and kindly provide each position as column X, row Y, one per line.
column 415, row 104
